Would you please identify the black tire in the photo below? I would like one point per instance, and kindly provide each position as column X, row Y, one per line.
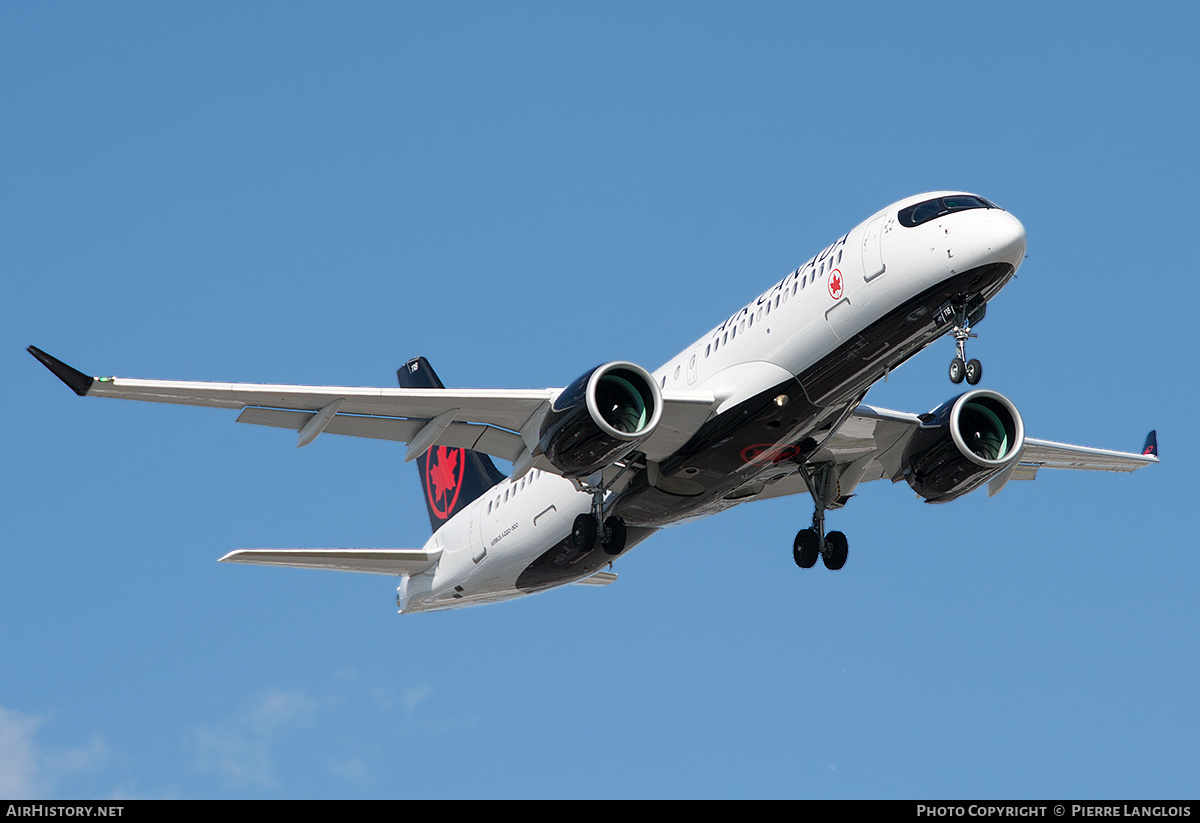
column 613, row 542
column 958, row 370
column 974, row 371
column 583, row 533
column 837, row 549
column 806, row 548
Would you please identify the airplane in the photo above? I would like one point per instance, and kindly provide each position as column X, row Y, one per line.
column 768, row 403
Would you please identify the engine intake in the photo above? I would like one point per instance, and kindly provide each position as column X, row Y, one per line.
column 962, row 444
column 600, row 418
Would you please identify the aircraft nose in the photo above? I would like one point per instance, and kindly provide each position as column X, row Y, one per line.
column 1006, row 237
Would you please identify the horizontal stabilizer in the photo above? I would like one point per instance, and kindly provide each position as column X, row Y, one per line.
column 369, row 561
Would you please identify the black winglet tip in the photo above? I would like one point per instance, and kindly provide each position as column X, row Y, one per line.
column 1151, row 447
column 76, row 380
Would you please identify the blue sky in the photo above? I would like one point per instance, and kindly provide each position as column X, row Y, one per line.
column 292, row 192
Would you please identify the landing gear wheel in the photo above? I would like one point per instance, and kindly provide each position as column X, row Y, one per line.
column 974, row 372
column 837, row 549
column 805, row 548
column 958, row 369
column 583, row 533
column 613, row 541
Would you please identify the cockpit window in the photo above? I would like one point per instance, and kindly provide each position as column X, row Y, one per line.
column 929, row 209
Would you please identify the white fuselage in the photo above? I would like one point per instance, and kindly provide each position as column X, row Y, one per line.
column 854, row 282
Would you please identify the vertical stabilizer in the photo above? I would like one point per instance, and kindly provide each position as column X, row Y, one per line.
column 451, row 477
column 1151, row 446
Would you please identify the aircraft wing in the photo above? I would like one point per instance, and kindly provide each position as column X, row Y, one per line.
column 499, row 422
column 1043, row 454
column 872, row 441
column 892, row 429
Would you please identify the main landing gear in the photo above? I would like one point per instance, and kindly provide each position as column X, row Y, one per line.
column 598, row 527
column 833, row 548
column 587, row 529
column 960, row 366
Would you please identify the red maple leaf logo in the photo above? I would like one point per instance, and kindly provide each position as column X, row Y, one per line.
column 769, row 453
column 835, row 284
column 443, row 472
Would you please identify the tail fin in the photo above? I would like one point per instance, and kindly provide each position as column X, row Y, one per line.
column 451, row 477
column 1151, row 446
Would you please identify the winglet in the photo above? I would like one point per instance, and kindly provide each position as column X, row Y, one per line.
column 1151, row 447
column 76, row 380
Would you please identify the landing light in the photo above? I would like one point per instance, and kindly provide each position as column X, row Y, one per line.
column 781, row 400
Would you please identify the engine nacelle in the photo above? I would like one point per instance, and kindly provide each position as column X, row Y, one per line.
column 601, row 417
column 962, row 444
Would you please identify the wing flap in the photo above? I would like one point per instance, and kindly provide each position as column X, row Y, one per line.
column 477, row 437
column 369, row 561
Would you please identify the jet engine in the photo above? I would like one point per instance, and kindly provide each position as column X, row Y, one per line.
column 962, row 444
column 600, row 418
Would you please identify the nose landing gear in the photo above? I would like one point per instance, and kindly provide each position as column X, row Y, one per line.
column 960, row 367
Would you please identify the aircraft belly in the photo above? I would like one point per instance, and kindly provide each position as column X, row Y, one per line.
column 767, row 435
column 561, row 564
column 525, row 547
